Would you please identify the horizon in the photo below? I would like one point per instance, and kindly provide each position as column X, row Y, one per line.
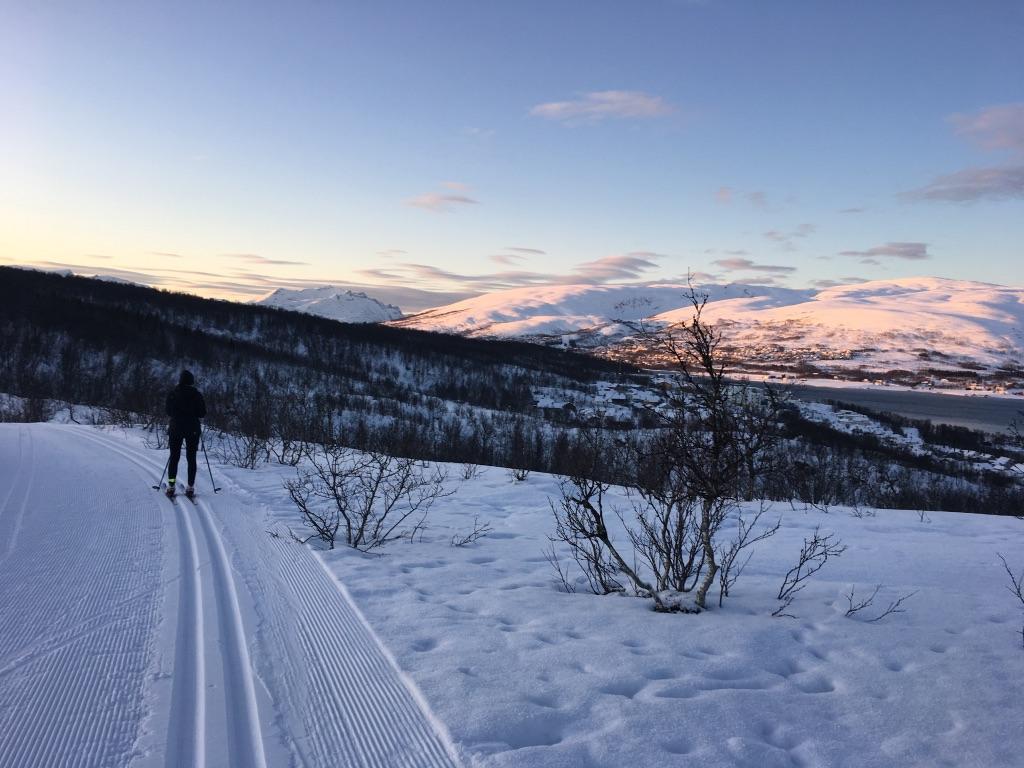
column 464, row 149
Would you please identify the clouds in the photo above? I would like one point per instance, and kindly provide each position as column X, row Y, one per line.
column 836, row 283
column 254, row 258
column 786, row 239
column 440, row 202
column 627, row 266
column 596, row 106
column 757, row 198
column 526, row 251
column 746, row 265
column 894, row 250
column 1005, row 182
column 607, row 269
column 996, row 128
column 993, row 128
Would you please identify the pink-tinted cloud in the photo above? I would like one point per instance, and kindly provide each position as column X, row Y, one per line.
column 894, row 250
column 839, row 282
column 253, row 258
column 746, row 265
column 627, row 266
column 604, row 105
column 973, row 184
column 440, row 202
column 994, row 128
column 786, row 239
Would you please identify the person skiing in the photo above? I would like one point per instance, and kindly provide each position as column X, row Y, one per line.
column 185, row 406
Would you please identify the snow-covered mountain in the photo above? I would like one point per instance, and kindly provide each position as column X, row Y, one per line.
column 885, row 325
column 334, row 303
column 566, row 309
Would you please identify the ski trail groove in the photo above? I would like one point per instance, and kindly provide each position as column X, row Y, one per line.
column 245, row 739
column 337, row 694
column 16, row 524
column 186, row 729
column 78, row 638
column 187, row 724
column 245, row 733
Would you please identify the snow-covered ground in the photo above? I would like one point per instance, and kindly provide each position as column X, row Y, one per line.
column 137, row 631
column 130, row 627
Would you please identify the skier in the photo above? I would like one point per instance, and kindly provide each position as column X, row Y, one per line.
column 185, row 406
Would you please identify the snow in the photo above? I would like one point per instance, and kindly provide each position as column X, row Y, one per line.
column 552, row 309
column 116, row 606
column 137, row 631
column 900, row 324
column 336, row 304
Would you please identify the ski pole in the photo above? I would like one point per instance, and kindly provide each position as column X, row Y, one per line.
column 206, row 456
column 161, row 481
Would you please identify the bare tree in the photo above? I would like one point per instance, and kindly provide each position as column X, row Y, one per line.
column 470, row 471
column 1016, row 588
column 855, row 605
column 580, row 524
column 710, row 448
column 477, row 532
column 370, row 498
column 815, row 552
column 747, row 536
column 716, row 439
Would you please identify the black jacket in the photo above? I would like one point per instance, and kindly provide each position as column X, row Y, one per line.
column 185, row 406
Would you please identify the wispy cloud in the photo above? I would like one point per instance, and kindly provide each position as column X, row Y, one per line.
column 604, row 105
column 786, row 239
column 443, row 202
column 837, row 283
column 746, row 265
column 994, row 128
column 391, row 252
column 255, row 258
column 895, row 250
column 608, row 269
column 166, row 254
column 627, row 266
column 510, row 259
column 852, row 210
column 756, row 197
column 517, row 255
column 1004, row 182
column 252, row 285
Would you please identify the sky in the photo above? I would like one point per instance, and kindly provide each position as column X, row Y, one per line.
column 459, row 147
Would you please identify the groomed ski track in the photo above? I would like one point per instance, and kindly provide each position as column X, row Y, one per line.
column 139, row 631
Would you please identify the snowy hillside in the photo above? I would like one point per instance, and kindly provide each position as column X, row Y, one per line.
column 911, row 324
column 328, row 301
column 144, row 632
column 565, row 309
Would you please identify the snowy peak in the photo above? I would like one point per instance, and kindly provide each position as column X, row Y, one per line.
column 333, row 303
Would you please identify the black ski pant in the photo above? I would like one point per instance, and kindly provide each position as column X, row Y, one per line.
column 191, row 450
